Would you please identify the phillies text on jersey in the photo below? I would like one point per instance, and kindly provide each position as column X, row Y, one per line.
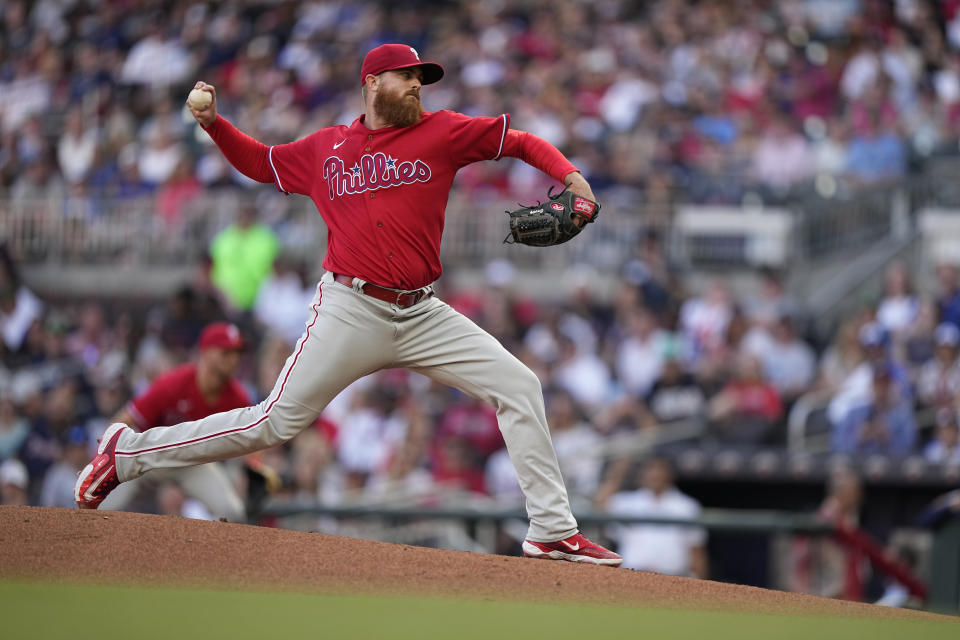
column 382, row 192
column 376, row 171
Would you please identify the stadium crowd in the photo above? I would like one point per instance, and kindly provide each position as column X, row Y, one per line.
column 709, row 105
column 732, row 366
column 701, row 100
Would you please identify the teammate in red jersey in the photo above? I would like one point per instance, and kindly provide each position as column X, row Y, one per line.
column 190, row 392
column 381, row 185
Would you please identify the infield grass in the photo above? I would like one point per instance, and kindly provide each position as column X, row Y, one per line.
column 50, row 612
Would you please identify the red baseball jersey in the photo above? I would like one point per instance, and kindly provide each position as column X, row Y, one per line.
column 174, row 398
column 382, row 193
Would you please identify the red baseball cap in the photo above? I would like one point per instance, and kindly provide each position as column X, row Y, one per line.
column 390, row 57
column 221, row 334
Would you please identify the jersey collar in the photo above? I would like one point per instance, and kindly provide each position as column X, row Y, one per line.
column 360, row 124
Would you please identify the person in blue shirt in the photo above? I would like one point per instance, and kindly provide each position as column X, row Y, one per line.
column 882, row 425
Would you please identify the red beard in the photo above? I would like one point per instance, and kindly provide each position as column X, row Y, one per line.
column 398, row 110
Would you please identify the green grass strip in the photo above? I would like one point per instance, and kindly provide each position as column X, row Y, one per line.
column 50, row 612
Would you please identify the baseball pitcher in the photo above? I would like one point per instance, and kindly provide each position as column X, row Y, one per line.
column 381, row 185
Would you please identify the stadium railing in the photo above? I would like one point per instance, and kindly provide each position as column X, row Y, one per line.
column 85, row 230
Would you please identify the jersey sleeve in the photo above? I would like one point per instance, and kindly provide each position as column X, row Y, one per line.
column 476, row 139
column 294, row 164
column 148, row 407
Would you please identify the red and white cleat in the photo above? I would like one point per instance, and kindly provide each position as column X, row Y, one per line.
column 99, row 477
column 576, row 548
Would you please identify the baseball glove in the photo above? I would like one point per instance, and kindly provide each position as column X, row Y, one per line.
column 555, row 221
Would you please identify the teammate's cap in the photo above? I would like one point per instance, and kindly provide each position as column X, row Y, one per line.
column 389, row 57
column 221, row 334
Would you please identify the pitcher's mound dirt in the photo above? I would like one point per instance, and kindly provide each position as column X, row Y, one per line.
column 62, row 545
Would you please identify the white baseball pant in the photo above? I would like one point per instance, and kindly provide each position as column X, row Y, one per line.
column 349, row 335
column 208, row 483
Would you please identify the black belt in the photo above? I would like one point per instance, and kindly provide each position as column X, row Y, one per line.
column 399, row 298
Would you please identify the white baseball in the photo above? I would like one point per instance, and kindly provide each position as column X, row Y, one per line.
column 199, row 99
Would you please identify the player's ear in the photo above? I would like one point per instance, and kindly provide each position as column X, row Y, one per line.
column 371, row 81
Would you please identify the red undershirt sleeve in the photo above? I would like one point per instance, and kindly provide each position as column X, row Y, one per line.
column 247, row 155
column 538, row 153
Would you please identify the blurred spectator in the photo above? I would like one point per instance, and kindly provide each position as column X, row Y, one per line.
column 670, row 549
column 876, row 153
column 748, row 410
column 772, row 303
column 885, row 424
column 14, row 483
column 187, row 312
column 641, row 353
column 14, row 429
column 371, row 433
column 829, row 148
column 92, row 339
column 782, row 157
column 466, row 436
column 938, row 380
column 704, row 319
column 649, row 271
column 857, row 388
column 919, row 340
column 788, row 362
column 582, row 373
column 948, row 297
column 862, row 70
column 676, row 395
column 19, row 307
column 160, row 156
column 899, row 307
column 944, row 448
column 59, row 413
column 243, row 256
column 157, row 58
column 284, row 298
column 576, row 443
column 59, row 481
column 77, row 148
column 175, row 195
column 38, row 182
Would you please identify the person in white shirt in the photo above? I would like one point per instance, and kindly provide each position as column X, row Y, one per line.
column 938, row 379
column 669, row 549
column 899, row 307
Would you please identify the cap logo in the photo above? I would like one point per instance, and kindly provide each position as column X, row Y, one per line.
column 232, row 332
column 414, row 52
